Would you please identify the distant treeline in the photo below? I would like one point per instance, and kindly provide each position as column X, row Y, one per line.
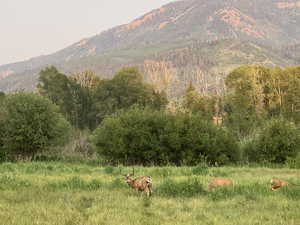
column 130, row 122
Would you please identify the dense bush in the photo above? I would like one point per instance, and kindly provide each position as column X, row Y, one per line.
column 151, row 137
column 30, row 124
column 277, row 141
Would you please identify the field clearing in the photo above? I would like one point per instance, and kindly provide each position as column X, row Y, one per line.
column 68, row 194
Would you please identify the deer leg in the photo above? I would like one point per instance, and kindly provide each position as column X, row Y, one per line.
column 148, row 191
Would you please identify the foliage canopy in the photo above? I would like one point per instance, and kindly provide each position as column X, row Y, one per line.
column 151, row 137
column 30, row 124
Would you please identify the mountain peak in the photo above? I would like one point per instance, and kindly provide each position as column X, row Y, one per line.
column 149, row 16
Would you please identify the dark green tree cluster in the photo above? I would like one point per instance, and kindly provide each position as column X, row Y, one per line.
column 72, row 94
column 30, row 124
column 276, row 142
column 85, row 100
column 147, row 137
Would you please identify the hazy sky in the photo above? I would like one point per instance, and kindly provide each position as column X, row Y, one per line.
column 30, row 28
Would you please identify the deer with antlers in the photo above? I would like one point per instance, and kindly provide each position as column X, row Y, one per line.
column 143, row 183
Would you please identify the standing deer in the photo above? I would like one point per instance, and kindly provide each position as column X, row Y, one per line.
column 143, row 183
column 278, row 183
column 219, row 182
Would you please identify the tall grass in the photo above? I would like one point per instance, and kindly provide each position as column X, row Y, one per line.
column 12, row 182
column 62, row 193
column 76, row 183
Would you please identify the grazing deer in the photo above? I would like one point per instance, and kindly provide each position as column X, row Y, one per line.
column 219, row 182
column 278, row 183
column 143, row 183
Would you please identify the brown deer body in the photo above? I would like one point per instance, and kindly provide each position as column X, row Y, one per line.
column 219, row 182
column 143, row 183
column 278, row 183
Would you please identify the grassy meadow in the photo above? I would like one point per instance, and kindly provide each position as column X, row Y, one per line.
column 57, row 193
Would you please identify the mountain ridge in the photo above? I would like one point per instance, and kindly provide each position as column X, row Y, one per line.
column 180, row 23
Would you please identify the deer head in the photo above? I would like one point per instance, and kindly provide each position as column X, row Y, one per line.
column 128, row 176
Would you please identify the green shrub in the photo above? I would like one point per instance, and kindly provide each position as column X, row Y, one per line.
column 191, row 139
column 146, row 137
column 278, row 141
column 30, row 124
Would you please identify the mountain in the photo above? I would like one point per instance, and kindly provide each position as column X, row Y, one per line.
column 179, row 42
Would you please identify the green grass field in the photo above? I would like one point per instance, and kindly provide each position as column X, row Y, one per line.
column 68, row 194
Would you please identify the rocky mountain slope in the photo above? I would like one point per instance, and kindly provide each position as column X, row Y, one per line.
column 209, row 37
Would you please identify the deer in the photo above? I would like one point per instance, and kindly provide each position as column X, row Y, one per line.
column 143, row 184
column 219, row 182
column 278, row 183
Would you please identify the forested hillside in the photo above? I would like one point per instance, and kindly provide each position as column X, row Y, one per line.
column 177, row 42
